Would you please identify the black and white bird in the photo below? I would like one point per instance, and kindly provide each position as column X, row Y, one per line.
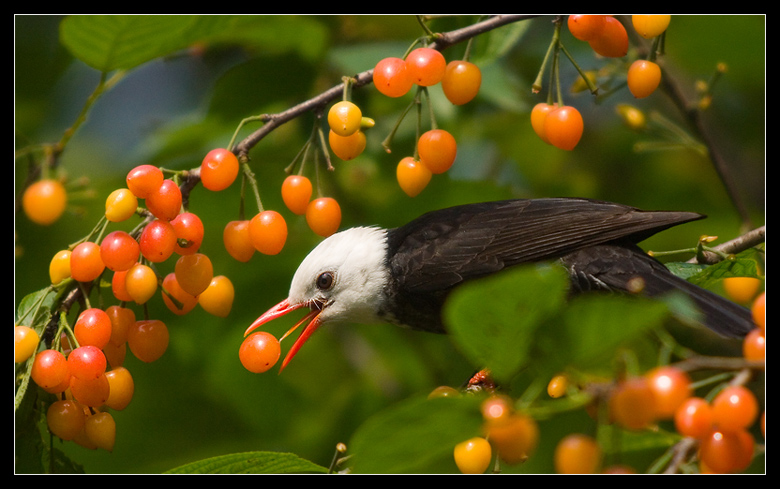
column 403, row 275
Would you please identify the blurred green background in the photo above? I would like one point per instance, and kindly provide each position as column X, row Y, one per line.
column 198, row 401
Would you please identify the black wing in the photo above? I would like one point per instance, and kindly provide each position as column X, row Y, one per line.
column 438, row 251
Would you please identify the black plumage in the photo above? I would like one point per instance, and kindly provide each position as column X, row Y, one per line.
column 595, row 240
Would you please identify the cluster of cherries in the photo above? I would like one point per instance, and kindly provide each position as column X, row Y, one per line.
column 84, row 367
column 563, row 126
column 720, row 426
column 424, row 67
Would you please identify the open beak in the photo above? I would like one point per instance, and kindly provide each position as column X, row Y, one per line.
column 280, row 310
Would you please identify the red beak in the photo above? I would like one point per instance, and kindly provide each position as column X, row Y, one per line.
column 280, row 310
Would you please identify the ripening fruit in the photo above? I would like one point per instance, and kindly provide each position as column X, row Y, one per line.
column 632, row 404
column 496, row 410
column 59, row 267
column 473, row 455
column 87, row 362
column 577, row 454
column 391, row 77
column 259, row 352
column 693, row 418
column 586, row 27
column 194, row 273
column 268, row 232
column 726, row 452
column 85, row 262
column 754, row 346
column 671, row 387
column 296, row 193
column 178, row 300
column 734, row 408
column 563, row 127
column 121, row 388
column 93, row 327
column 650, row 26
column 323, row 215
column 426, row 66
column 143, row 180
column 412, row 176
column 90, row 392
column 122, row 318
column 121, row 205
column 437, row 149
column 538, row 116
column 165, row 202
column 218, row 297
column 557, row 386
column 44, row 201
column 101, row 430
column 461, row 81
column 643, row 78
column 347, row 147
column 515, row 438
column 236, row 240
column 65, row 419
column 157, row 241
column 25, row 343
column 758, row 310
column 119, row 251
column 140, row 283
column 219, row 169
column 741, row 289
column 613, row 40
column 344, row 118
column 148, row 339
column 189, row 233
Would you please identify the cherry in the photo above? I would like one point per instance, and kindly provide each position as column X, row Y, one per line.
column 119, row 251
column 347, row 147
column 100, row 429
column 268, row 232
column 577, row 454
column 693, row 418
column 426, row 66
column 44, row 201
column 177, row 300
column 437, row 149
column 85, row 262
column 158, row 241
column 563, row 127
column 391, row 77
column 461, row 81
column 296, row 193
column 93, row 327
column 65, row 419
column 643, row 78
column 237, row 242
column 473, row 455
column 650, row 26
column 586, row 27
column 121, row 205
column 143, row 180
column 734, row 408
column 259, row 352
column 194, row 273
column 165, row 202
column 59, row 267
column 323, row 215
column 148, row 339
column 140, row 283
column 25, row 343
column 218, row 297
column 412, row 176
column 121, row 388
column 87, row 362
column 219, row 169
column 671, row 387
column 189, row 233
column 613, row 40
column 344, row 118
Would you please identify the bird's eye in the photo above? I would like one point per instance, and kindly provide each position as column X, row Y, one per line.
column 325, row 281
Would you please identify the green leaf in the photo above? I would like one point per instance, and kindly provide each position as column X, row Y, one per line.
column 493, row 320
column 744, row 264
column 251, row 463
column 412, row 436
column 122, row 42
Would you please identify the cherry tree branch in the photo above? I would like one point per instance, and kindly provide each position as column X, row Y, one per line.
column 318, row 103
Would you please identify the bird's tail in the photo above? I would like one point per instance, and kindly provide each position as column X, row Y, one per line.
column 628, row 268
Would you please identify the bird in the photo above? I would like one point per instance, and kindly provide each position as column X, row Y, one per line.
column 403, row 275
